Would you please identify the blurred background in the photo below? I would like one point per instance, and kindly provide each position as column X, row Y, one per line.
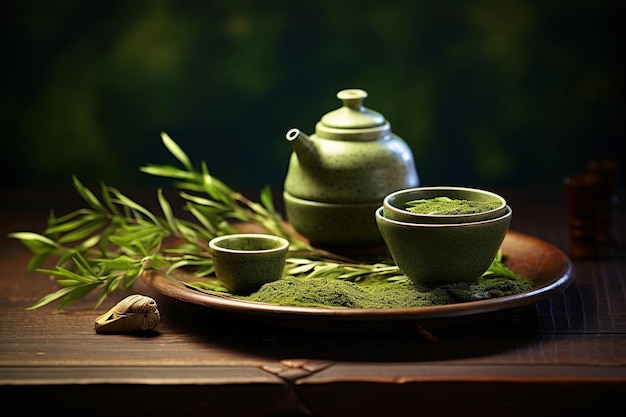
column 486, row 93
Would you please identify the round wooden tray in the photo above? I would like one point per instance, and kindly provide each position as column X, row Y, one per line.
column 547, row 266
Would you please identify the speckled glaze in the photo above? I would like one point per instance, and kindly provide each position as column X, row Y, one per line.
column 394, row 204
column 437, row 254
column 335, row 226
column 244, row 262
column 352, row 158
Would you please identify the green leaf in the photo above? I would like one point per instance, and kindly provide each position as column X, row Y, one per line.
column 122, row 262
column 215, row 188
column 267, row 199
column 103, row 296
column 67, row 274
column 83, row 213
column 498, row 271
column 206, row 202
column 108, row 202
column 83, row 265
column 88, row 244
column 168, row 171
column 47, row 299
column 122, row 199
column 83, row 232
column 37, row 260
column 87, row 195
column 301, row 269
column 61, row 226
column 189, row 260
column 212, row 229
column 167, row 210
column 68, row 294
column 210, row 286
column 76, row 294
column 204, row 271
column 34, row 238
column 176, row 151
column 113, row 283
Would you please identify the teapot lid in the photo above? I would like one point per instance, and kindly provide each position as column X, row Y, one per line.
column 353, row 121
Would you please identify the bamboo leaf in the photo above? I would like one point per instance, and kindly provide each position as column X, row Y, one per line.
column 83, row 232
column 52, row 220
column 168, row 171
column 176, row 151
column 76, row 294
column 28, row 237
column 108, row 202
column 205, row 201
column 62, row 227
column 267, row 199
column 47, row 299
column 122, row 262
column 167, row 210
column 36, row 261
column 87, row 195
column 113, row 283
column 83, row 265
column 103, row 296
column 135, row 206
column 215, row 188
column 204, row 221
column 204, row 271
column 302, row 269
column 88, row 244
column 64, row 273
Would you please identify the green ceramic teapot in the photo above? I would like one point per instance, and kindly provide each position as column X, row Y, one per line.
column 338, row 176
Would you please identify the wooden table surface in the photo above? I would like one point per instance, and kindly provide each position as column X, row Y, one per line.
column 564, row 355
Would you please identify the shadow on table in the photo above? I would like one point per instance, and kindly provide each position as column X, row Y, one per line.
column 443, row 339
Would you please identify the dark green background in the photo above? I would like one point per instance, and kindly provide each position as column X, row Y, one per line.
column 486, row 93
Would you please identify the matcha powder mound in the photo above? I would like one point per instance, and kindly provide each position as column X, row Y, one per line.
column 315, row 293
column 320, row 292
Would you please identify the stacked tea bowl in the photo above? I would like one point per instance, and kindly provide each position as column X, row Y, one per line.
column 434, row 248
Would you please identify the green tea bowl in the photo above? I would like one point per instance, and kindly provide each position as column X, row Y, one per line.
column 243, row 262
column 394, row 204
column 431, row 254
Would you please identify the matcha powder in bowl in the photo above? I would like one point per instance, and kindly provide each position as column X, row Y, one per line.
column 444, row 206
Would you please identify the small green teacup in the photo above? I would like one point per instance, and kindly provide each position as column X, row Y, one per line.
column 244, row 262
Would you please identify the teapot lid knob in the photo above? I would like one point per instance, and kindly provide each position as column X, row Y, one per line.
column 352, row 98
column 352, row 115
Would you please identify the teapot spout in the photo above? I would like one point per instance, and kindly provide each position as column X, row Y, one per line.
column 303, row 147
